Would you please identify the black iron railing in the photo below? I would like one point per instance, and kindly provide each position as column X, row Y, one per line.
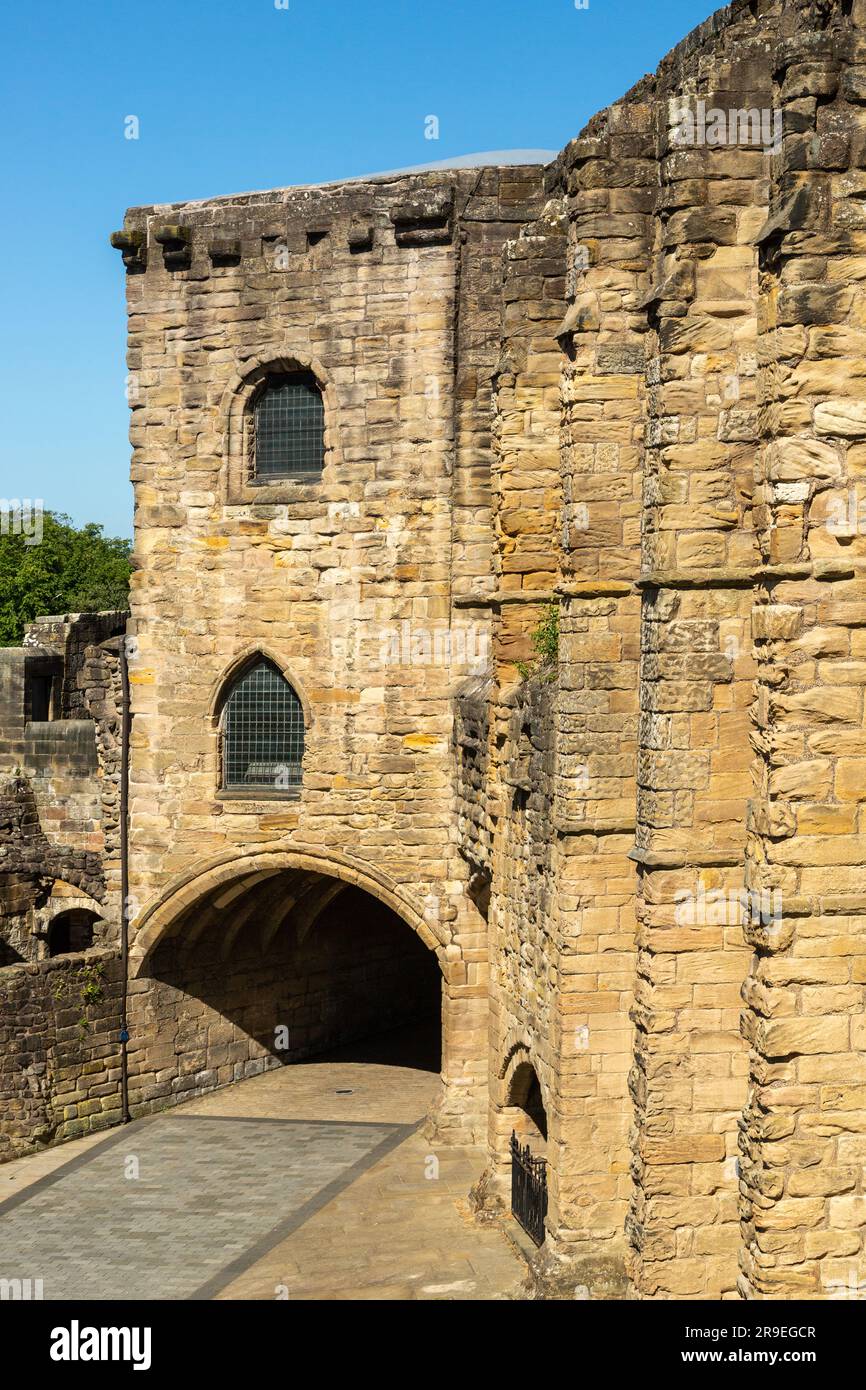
column 528, row 1189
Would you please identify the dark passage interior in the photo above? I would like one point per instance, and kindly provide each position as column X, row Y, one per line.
column 294, row 966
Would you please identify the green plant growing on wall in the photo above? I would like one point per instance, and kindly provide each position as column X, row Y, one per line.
column 90, row 977
column 545, row 644
column 83, row 986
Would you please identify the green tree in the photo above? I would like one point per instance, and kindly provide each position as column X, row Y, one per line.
column 70, row 570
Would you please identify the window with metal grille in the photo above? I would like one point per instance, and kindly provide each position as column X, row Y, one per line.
column 289, row 427
column 262, row 732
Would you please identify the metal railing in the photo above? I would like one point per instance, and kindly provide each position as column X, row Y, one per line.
column 528, row 1189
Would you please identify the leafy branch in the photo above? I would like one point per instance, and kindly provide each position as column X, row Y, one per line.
column 545, row 644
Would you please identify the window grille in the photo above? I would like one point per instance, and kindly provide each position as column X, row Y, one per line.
column 262, row 732
column 289, row 427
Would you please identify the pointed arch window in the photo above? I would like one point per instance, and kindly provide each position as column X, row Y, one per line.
column 261, row 732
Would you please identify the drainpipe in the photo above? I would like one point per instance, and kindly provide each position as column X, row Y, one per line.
column 124, row 880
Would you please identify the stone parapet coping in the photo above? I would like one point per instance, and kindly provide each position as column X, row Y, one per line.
column 563, row 825
column 686, row 859
column 725, row 578
column 502, row 596
column 744, row 578
column 596, row 588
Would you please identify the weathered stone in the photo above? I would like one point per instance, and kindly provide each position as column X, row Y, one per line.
column 613, row 408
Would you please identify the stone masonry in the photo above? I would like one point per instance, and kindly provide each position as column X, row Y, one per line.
column 617, row 400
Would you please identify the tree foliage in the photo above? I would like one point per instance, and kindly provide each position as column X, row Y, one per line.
column 70, row 570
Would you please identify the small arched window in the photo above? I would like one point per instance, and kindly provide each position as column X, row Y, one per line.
column 262, row 732
column 71, row 931
column 289, row 428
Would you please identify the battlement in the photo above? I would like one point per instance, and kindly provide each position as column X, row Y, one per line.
column 361, row 216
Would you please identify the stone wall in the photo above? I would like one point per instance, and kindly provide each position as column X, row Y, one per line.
column 803, row 1158
column 709, row 431
column 59, row 852
column 59, row 1049
column 668, row 432
column 59, row 779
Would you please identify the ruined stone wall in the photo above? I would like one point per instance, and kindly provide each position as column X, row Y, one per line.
column 709, row 432
column 59, row 806
column 605, row 176
column 69, row 636
column 698, row 550
column 59, row 850
column 474, row 786
column 803, row 1164
column 523, row 956
column 519, row 757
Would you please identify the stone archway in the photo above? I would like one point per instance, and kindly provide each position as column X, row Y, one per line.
column 525, row 1104
column 164, row 914
column 216, row 958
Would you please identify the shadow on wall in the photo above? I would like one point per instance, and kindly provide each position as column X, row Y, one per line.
column 524, row 1094
column 359, row 985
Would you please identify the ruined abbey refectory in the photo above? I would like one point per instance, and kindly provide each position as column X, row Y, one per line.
column 497, row 654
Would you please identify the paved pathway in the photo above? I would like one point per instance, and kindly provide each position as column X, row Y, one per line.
column 312, row 1182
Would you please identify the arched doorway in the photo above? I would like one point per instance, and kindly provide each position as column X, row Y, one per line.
column 525, row 1098
column 272, row 960
column 370, row 962
column 517, row 1107
column 297, row 967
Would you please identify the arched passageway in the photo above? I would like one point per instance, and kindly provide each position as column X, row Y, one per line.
column 291, row 964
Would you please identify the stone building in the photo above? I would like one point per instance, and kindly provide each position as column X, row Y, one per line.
column 384, row 431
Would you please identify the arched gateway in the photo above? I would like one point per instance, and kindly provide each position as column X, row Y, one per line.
column 245, row 870
column 260, row 958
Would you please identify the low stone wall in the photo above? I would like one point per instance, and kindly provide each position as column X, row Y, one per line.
column 59, row 1049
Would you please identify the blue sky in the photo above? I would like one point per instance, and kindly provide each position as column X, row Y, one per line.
column 233, row 95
